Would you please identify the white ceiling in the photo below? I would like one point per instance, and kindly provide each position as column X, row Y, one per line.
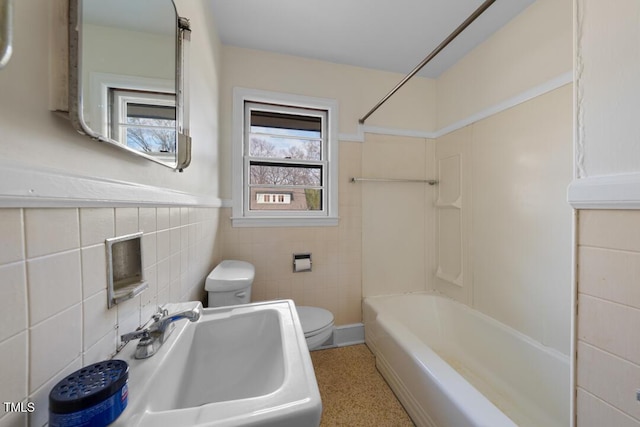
column 391, row 35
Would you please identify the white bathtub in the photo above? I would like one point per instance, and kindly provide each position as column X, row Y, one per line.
column 452, row 366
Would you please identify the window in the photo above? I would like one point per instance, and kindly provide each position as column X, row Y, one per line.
column 285, row 160
column 144, row 121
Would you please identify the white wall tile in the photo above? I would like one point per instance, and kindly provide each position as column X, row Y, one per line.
column 55, row 343
column 175, row 267
column 41, row 396
column 97, row 319
column 126, row 221
column 149, row 308
column 12, row 232
column 164, row 273
column 174, row 217
column 594, row 412
column 175, row 290
column 163, row 242
column 13, row 359
column 609, row 378
column 162, row 217
column 103, row 349
column 149, row 249
column 96, row 225
column 184, row 237
column 164, row 295
column 94, row 270
column 147, row 219
column 614, row 229
column 184, row 216
column 61, row 289
column 610, row 274
column 606, row 325
column 151, row 277
column 176, row 240
column 13, row 300
column 54, row 284
column 608, row 314
column 48, row 231
column 129, row 315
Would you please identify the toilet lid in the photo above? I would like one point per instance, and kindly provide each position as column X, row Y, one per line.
column 314, row 319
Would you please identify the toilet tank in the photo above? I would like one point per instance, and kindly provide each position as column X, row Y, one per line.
column 230, row 283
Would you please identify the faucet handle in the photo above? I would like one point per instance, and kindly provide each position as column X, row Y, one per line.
column 159, row 314
column 143, row 333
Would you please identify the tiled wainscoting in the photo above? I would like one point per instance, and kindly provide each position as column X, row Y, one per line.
column 608, row 358
column 53, row 301
column 334, row 283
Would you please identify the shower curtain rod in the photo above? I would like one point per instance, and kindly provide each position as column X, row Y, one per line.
column 484, row 6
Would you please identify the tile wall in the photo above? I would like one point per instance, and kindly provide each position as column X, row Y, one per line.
column 335, row 280
column 53, row 302
column 608, row 349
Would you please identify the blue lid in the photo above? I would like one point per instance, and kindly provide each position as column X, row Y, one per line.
column 88, row 386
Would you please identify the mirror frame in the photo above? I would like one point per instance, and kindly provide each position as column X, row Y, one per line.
column 183, row 37
column 6, row 31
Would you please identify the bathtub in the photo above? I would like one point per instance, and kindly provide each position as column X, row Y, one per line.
column 452, row 366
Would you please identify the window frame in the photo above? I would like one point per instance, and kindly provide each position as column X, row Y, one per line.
column 241, row 215
column 120, row 98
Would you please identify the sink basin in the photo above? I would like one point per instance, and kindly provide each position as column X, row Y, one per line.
column 238, row 365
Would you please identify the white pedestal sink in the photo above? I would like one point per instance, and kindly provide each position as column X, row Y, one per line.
column 245, row 365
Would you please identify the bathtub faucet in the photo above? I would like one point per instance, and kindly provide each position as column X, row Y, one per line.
column 158, row 329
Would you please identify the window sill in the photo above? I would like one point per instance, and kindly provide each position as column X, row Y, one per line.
column 284, row 222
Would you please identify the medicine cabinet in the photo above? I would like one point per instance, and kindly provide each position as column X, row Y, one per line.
column 128, row 68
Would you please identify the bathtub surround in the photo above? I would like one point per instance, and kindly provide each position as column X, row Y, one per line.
column 503, row 224
column 397, row 217
column 481, row 234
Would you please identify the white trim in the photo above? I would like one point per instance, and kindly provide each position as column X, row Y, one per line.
column 362, row 129
column 99, row 85
column 605, row 192
column 28, row 187
column 525, row 96
column 289, row 221
column 345, row 335
column 522, row 97
column 240, row 95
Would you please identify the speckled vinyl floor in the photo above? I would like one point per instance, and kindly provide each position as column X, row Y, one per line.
column 352, row 390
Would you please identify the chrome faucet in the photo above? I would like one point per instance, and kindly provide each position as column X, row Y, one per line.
column 158, row 329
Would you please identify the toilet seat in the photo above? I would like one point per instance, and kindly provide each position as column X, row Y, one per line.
column 317, row 325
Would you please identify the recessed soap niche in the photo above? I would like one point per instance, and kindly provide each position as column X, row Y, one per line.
column 125, row 274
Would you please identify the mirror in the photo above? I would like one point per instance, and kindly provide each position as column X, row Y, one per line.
column 6, row 31
column 127, row 84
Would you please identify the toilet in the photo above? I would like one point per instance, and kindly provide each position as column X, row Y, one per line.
column 229, row 283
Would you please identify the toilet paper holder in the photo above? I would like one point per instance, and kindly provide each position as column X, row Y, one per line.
column 301, row 262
